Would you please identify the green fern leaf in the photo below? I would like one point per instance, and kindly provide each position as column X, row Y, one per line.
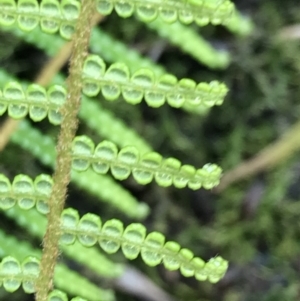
column 35, row 100
column 142, row 84
column 52, row 15
column 202, row 12
column 153, row 249
column 144, row 168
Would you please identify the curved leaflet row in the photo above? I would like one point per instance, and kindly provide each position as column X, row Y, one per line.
column 52, row 15
column 200, row 11
column 133, row 241
column 25, row 192
column 35, row 100
column 144, row 167
column 116, row 81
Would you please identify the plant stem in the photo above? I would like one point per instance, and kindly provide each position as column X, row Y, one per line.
column 269, row 157
column 61, row 175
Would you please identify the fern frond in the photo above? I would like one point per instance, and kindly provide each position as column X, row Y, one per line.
column 112, row 236
column 116, row 80
column 35, row 224
column 43, row 148
column 52, row 15
column 186, row 11
column 112, row 83
column 144, row 167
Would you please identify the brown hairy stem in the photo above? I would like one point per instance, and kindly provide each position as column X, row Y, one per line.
column 61, row 175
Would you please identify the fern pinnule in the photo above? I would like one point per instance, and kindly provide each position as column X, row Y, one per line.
column 112, row 236
column 202, row 12
column 143, row 167
column 116, row 80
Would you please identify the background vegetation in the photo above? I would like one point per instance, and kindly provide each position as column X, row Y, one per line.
column 254, row 223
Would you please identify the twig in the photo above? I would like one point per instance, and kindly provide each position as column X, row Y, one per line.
column 269, row 157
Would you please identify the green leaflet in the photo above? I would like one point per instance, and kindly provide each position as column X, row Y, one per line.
column 133, row 240
column 144, row 168
column 25, row 192
column 202, row 12
column 143, row 84
column 35, row 100
column 52, row 15
column 14, row 274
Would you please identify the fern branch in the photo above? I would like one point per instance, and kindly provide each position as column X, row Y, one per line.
column 61, row 176
column 186, row 11
column 54, row 16
column 144, row 168
column 112, row 236
column 88, row 230
column 142, row 84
